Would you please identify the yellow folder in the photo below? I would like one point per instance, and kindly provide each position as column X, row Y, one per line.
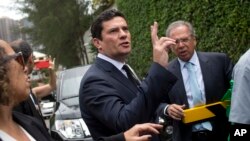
column 204, row 112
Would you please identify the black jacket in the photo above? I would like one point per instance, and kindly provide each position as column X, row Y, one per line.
column 27, row 107
column 117, row 137
column 33, row 126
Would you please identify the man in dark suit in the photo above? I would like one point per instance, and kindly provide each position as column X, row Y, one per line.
column 110, row 102
column 212, row 76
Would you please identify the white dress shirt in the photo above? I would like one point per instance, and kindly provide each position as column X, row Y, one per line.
column 117, row 64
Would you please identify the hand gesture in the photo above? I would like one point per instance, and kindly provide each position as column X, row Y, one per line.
column 51, row 63
column 160, row 46
column 142, row 132
column 176, row 111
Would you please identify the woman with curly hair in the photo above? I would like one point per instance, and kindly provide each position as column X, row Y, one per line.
column 14, row 88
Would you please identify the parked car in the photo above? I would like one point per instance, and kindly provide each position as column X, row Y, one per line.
column 47, row 109
column 66, row 124
column 47, row 105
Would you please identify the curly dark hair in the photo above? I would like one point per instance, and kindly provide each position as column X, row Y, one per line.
column 4, row 80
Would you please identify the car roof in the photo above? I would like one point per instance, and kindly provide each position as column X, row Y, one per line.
column 78, row 69
column 68, row 75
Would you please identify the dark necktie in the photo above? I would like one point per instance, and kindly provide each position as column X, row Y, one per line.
column 131, row 76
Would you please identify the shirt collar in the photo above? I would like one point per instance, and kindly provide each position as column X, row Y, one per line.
column 193, row 60
column 117, row 64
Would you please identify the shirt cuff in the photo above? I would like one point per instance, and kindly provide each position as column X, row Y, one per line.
column 165, row 110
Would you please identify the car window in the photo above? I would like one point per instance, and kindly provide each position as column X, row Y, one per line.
column 70, row 82
column 70, row 87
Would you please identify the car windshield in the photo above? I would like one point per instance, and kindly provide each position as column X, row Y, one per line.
column 70, row 82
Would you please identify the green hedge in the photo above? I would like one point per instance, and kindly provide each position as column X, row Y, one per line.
column 221, row 25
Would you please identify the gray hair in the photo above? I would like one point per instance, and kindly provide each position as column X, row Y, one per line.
column 175, row 24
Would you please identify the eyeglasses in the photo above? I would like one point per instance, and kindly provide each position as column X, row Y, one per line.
column 183, row 40
column 17, row 56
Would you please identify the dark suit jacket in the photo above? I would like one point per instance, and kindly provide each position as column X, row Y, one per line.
column 216, row 69
column 117, row 137
column 33, row 126
column 27, row 107
column 111, row 104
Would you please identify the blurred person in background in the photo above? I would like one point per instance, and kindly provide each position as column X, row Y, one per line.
column 25, row 48
column 14, row 88
column 203, row 78
column 31, row 105
column 240, row 102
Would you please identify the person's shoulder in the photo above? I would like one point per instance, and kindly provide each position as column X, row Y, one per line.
column 26, row 120
column 172, row 62
column 246, row 56
column 212, row 53
column 244, row 60
column 32, row 125
column 93, row 71
column 24, row 107
column 94, row 74
column 21, row 116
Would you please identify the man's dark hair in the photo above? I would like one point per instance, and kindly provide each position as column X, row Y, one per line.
column 22, row 46
column 96, row 28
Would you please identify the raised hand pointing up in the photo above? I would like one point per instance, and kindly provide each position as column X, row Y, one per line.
column 160, row 46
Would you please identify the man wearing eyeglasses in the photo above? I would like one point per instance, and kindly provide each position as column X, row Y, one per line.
column 203, row 78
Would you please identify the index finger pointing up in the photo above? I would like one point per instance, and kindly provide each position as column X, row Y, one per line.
column 154, row 31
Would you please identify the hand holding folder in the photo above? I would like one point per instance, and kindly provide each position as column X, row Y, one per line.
column 204, row 112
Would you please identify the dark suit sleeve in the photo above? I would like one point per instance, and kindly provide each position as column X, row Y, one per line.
column 105, row 99
column 228, row 67
column 117, row 137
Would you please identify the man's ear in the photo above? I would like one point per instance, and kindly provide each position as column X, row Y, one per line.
column 96, row 42
column 30, row 60
column 195, row 41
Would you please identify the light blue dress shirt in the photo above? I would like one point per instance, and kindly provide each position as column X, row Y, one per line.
column 195, row 61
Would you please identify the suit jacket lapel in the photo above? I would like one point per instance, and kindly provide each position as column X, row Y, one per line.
column 179, row 85
column 116, row 74
column 206, row 73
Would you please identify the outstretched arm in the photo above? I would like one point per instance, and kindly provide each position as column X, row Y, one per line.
column 42, row 91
